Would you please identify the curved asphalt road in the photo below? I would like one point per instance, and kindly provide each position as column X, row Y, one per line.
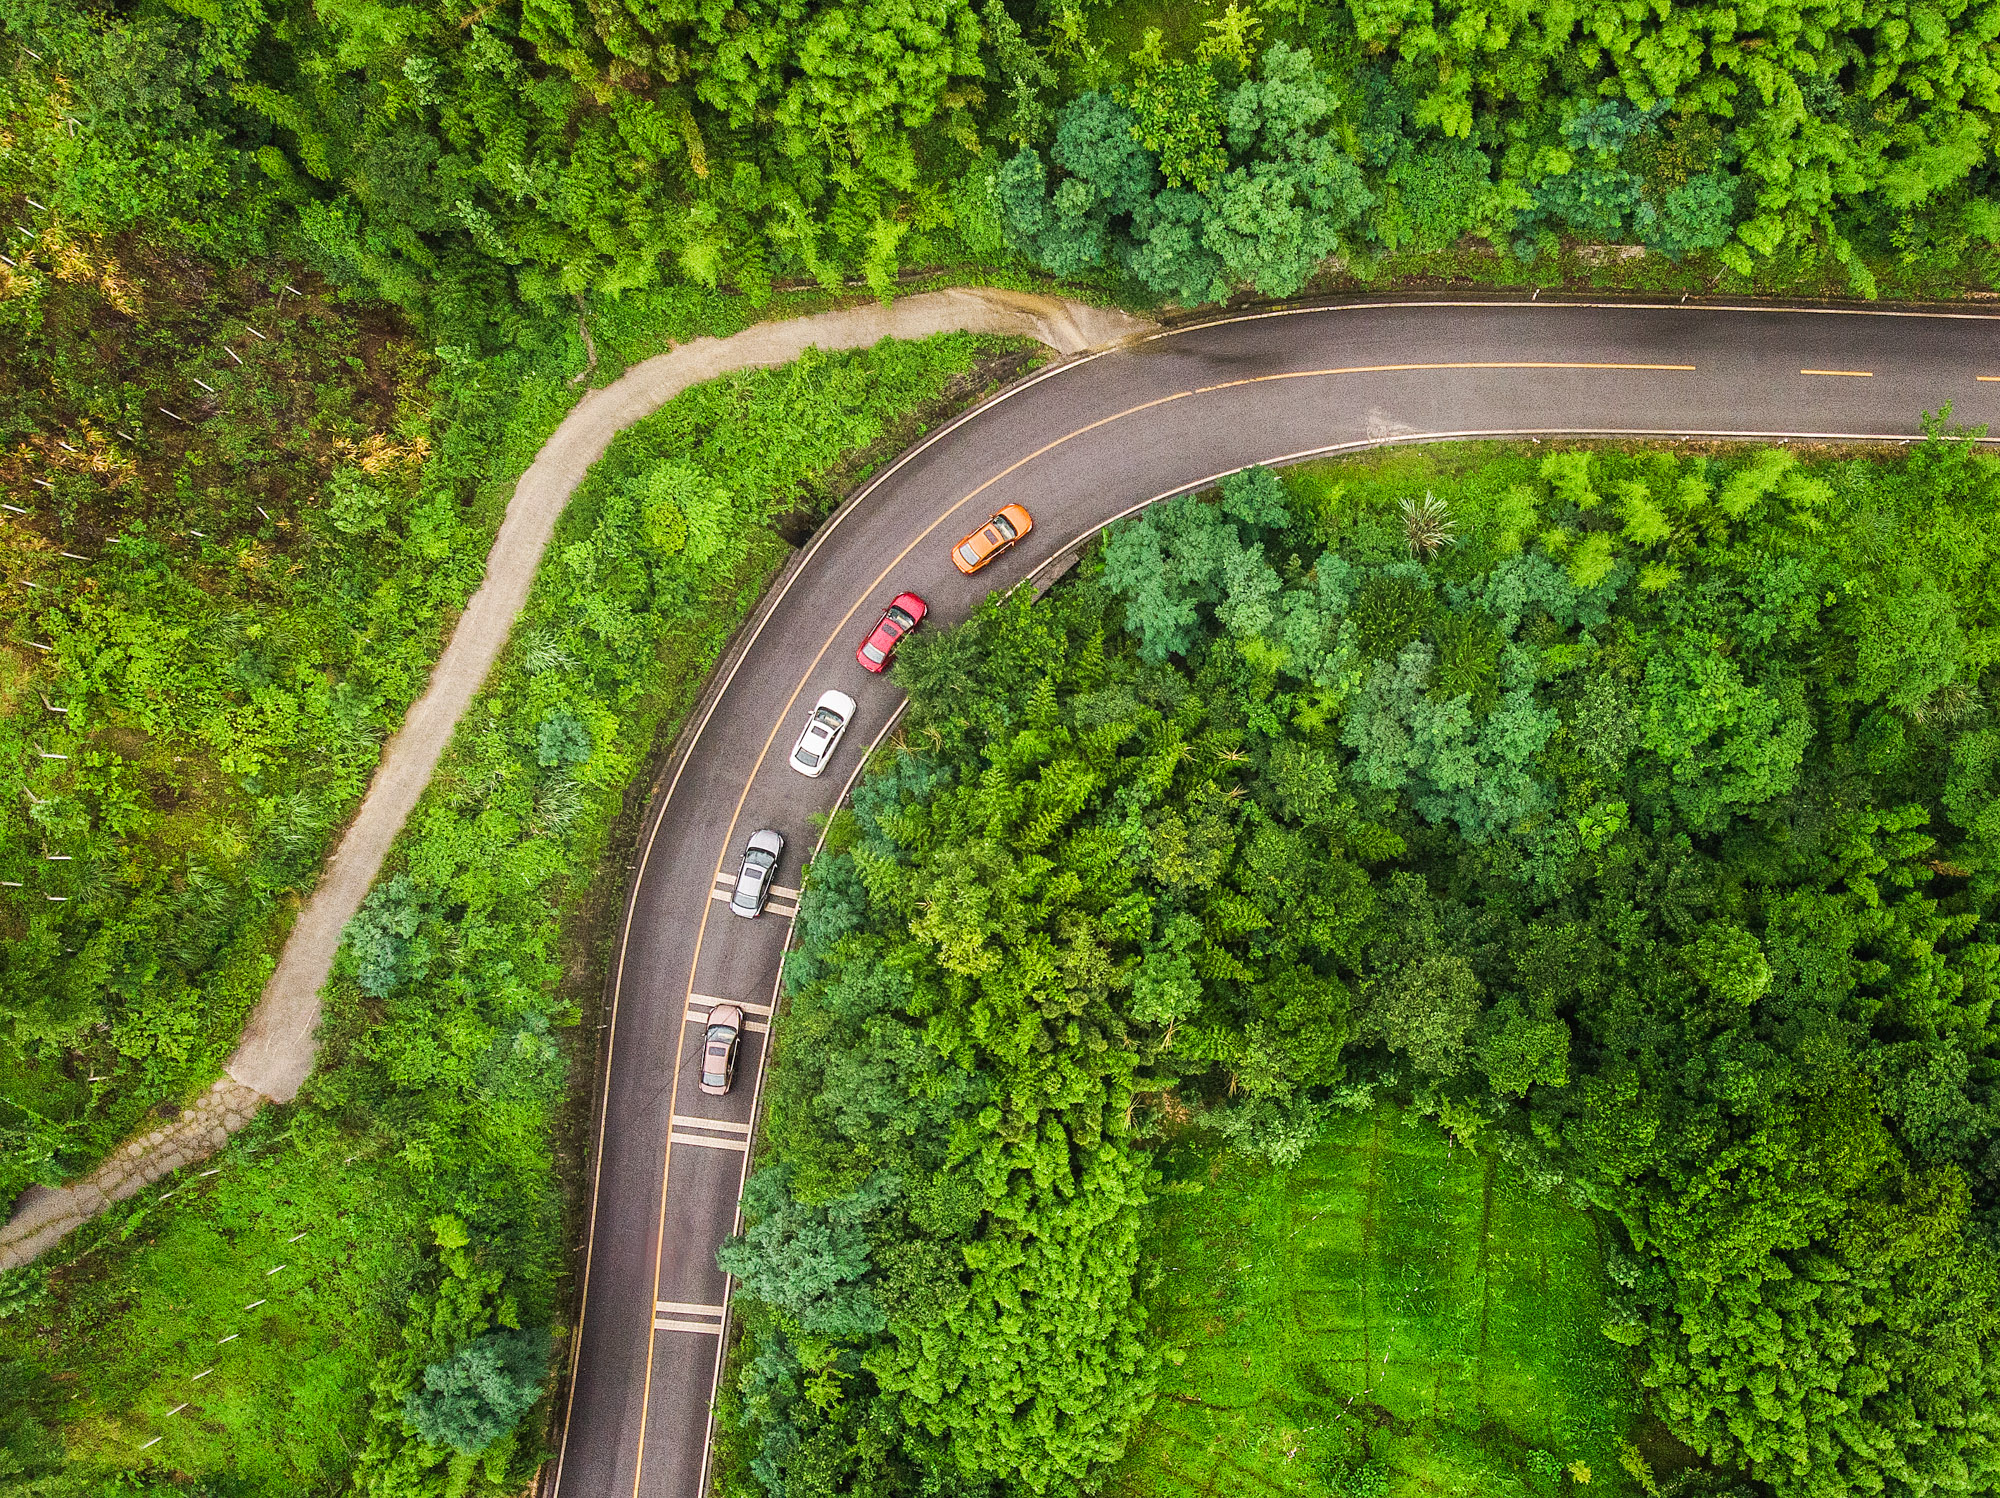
column 1079, row 444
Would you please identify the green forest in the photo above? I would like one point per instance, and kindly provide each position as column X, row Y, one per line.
column 1618, row 825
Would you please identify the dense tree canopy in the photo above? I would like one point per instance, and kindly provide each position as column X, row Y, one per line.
column 1264, row 212
column 1631, row 814
column 474, row 162
column 1837, row 132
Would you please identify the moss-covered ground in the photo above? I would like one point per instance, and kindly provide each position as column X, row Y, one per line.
column 1395, row 1314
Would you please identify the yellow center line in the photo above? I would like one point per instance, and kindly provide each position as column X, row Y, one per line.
column 1851, row 374
column 728, row 841
column 1314, row 374
column 1988, row 379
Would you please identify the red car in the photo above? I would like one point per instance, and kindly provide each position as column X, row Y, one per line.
column 902, row 616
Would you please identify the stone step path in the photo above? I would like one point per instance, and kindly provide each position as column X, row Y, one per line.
column 44, row 1216
column 276, row 1051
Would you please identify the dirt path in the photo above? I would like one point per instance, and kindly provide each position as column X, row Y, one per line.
column 276, row 1052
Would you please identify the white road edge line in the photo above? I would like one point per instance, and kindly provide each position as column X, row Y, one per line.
column 1496, row 305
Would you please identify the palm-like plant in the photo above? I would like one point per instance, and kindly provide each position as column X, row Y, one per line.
column 1427, row 523
column 1954, row 702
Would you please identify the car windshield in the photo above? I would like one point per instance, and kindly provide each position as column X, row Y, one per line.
column 897, row 620
column 1005, row 526
column 805, row 756
column 719, row 1037
column 969, row 552
column 827, row 717
column 872, row 653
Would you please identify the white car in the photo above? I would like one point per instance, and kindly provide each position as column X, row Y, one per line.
column 760, row 872
column 828, row 722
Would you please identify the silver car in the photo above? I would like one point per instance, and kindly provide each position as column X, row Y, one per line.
column 823, row 729
column 718, row 1049
column 760, row 872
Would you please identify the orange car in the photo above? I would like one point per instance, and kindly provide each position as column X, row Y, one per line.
column 1001, row 531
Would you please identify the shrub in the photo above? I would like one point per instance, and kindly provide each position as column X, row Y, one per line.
column 478, row 1394
column 384, row 950
column 562, row 739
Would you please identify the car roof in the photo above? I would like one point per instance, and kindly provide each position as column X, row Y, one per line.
column 839, row 701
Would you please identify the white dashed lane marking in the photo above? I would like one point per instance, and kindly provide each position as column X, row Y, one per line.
column 720, row 1125
column 709, row 1141
column 708, row 1001
column 725, row 885
column 775, row 907
column 686, row 1316
column 784, row 901
column 754, row 1026
column 699, row 1005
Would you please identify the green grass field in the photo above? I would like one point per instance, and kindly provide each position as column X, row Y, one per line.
column 240, row 1335
column 1393, row 1315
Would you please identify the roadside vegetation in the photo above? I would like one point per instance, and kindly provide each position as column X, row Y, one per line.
column 387, row 1255
column 211, row 624
column 1630, row 814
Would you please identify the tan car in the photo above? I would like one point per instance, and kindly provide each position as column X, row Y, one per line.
column 718, row 1049
column 1003, row 528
